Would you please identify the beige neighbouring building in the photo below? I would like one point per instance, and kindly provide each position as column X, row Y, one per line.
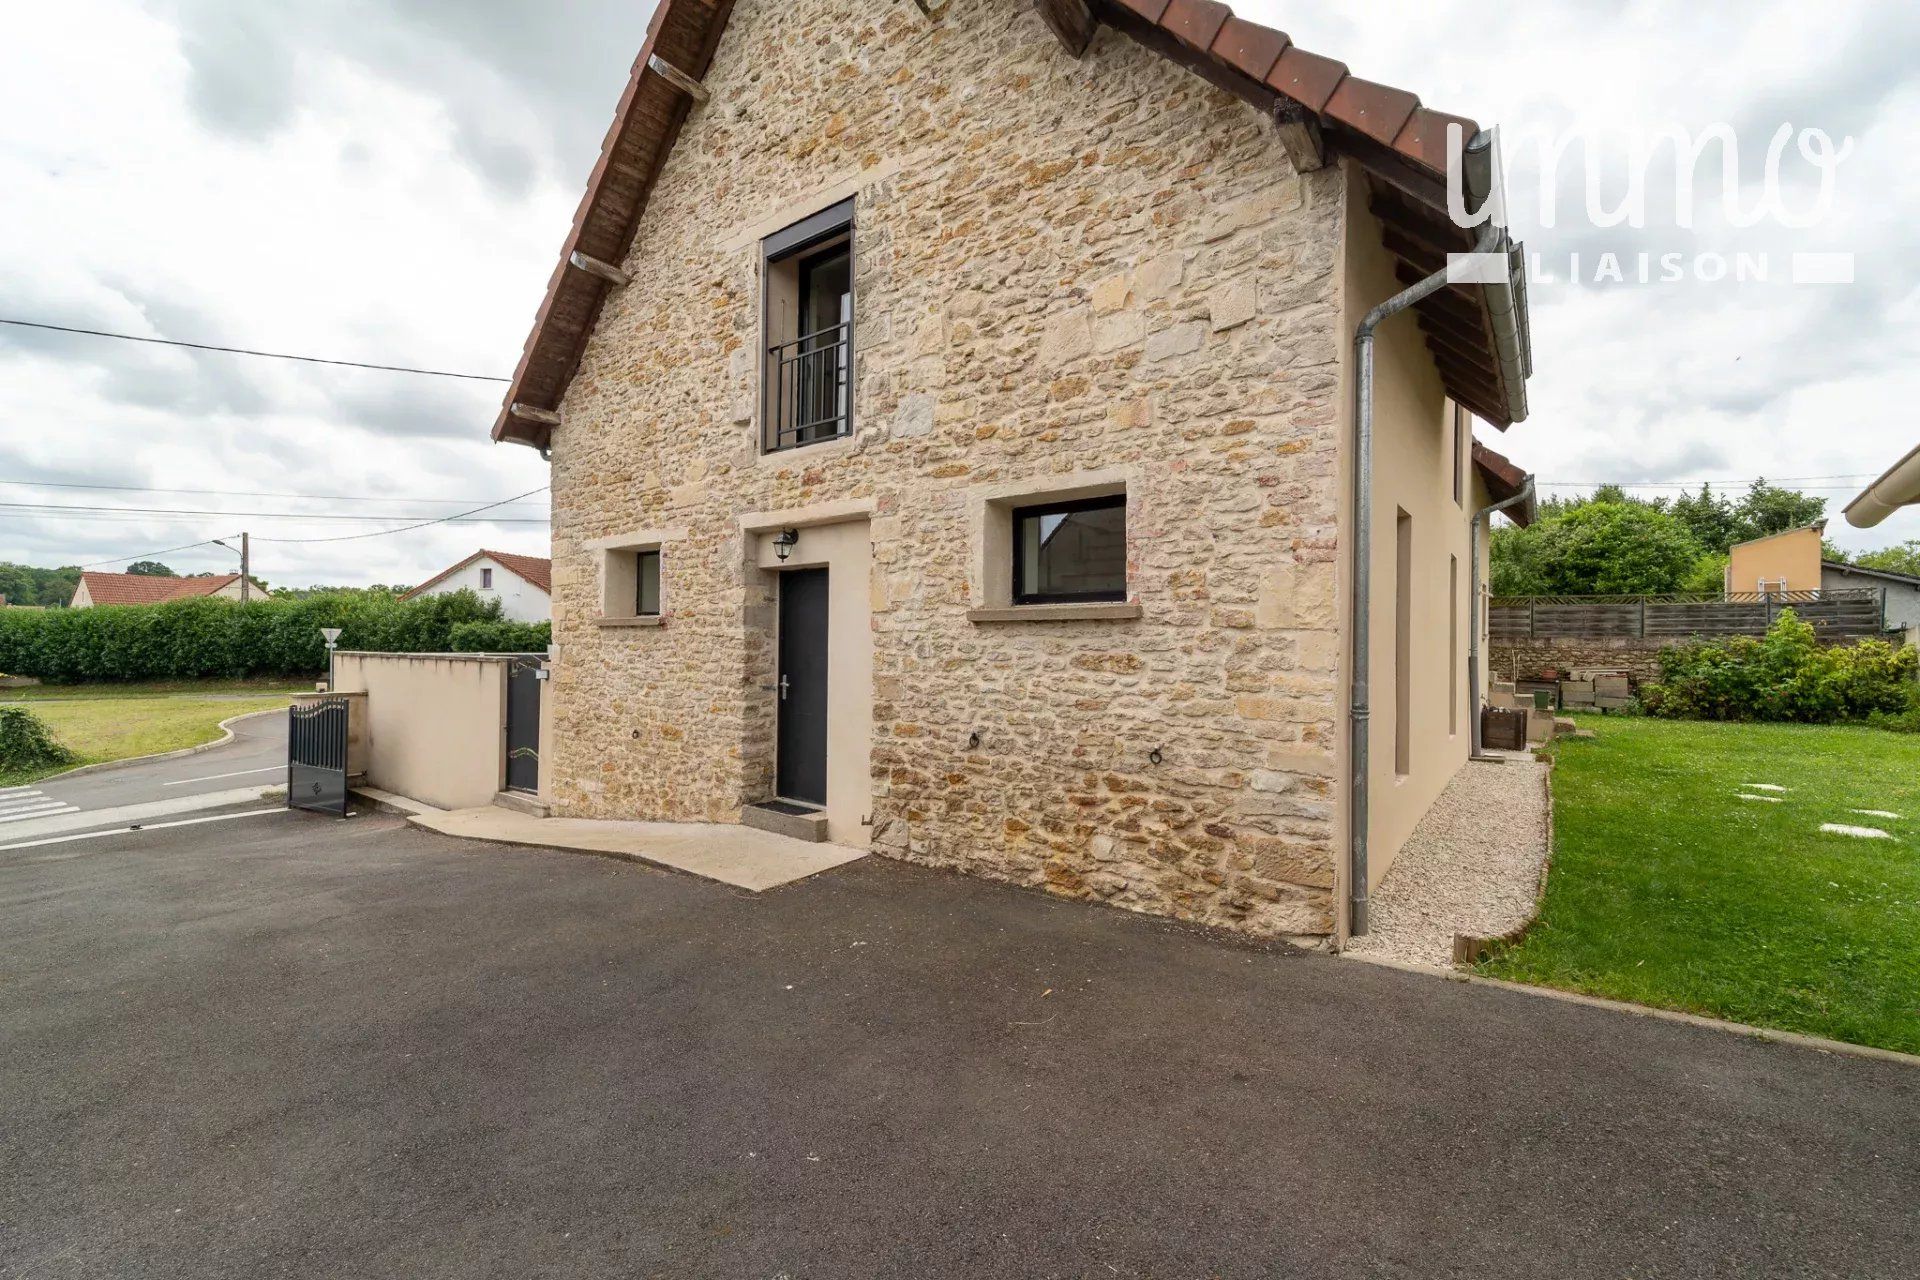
column 1778, row 563
column 951, row 419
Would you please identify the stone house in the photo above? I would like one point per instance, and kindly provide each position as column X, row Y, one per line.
column 953, row 419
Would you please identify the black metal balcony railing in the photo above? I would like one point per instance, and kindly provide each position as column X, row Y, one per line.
column 807, row 388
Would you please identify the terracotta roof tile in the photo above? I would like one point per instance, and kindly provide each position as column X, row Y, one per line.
column 141, row 588
column 1249, row 48
column 1195, row 22
column 1504, row 479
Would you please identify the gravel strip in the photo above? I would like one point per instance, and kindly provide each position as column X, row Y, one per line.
column 1474, row 865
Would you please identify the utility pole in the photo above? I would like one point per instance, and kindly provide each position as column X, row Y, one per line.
column 246, row 570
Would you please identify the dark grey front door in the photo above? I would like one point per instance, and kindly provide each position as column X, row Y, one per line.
column 800, row 772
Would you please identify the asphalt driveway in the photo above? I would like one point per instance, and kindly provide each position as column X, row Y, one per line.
column 292, row 1046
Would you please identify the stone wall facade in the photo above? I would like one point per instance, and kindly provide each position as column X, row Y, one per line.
column 1061, row 268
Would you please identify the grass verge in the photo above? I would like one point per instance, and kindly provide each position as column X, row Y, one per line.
column 100, row 731
column 155, row 689
column 1668, row 889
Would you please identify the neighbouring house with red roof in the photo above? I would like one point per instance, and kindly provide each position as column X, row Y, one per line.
column 1026, row 437
column 522, row 584
column 141, row 588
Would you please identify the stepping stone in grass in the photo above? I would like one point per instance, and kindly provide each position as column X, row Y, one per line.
column 1860, row 833
column 1762, row 786
column 1768, row 799
column 1876, row 813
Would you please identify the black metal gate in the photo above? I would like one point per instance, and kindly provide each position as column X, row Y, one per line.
column 317, row 757
column 523, row 725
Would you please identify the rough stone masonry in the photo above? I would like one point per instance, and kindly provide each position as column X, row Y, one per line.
column 1061, row 266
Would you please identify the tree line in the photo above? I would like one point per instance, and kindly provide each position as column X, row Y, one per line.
column 1611, row 542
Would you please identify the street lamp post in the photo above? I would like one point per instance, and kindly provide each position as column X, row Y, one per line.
column 332, row 636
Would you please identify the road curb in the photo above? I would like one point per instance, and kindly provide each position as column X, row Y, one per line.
column 106, row 766
column 1794, row 1038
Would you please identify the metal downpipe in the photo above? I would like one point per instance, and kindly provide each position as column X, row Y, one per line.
column 1473, row 596
column 1360, row 710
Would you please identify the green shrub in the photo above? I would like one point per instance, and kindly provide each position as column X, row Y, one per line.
column 27, row 743
column 1788, row 676
column 502, row 637
column 191, row 639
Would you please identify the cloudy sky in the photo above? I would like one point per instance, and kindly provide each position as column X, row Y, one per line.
column 390, row 181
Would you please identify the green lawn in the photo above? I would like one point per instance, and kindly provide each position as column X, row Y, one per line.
column 102, row 730
column 1668, row 889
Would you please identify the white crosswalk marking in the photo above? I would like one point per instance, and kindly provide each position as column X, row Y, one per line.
column 51, row 809
column 26, row 800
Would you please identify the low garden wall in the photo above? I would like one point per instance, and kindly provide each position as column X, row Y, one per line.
column 436, row 723
column 1518, row 659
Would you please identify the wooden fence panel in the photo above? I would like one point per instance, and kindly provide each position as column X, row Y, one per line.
column 1834, row 615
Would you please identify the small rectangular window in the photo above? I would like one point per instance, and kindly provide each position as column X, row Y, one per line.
column 1460, row 437
column 1068, row 552
column 486, row 579
column 646, row 578
column 1403, row 644
column 1453, row 644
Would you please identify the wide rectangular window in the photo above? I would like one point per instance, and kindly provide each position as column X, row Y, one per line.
column 1065, row 552
column 807, row 274
column 646, row 578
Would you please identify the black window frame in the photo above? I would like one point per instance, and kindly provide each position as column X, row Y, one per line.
column 1021, row 515
column 640, row 559
column 807, row 238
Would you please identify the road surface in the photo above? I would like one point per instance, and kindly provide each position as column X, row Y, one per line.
column 255, row 759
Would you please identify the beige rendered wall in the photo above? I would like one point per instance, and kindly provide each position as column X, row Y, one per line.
column 436, row 724
column 1412, row 473
column 1062, row 267
column 1793, row 556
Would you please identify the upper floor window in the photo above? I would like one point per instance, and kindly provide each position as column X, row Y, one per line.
column 1071, row 552
column 486, row 579
column 807, row 379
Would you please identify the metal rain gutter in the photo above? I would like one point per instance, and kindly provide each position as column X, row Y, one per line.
column 1898, row 487
column 1473, row 596
column 1480, row 169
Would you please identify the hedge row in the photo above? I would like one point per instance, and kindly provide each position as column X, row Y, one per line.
column 502, row 637
column 191, row 639
column 1788, row 676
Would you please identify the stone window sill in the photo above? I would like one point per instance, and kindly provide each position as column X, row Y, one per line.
column 1116, row 612
column 652, row 620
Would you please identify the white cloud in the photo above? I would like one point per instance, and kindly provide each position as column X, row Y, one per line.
column 390, row 181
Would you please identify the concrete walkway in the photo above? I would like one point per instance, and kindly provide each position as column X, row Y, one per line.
column 743, row 857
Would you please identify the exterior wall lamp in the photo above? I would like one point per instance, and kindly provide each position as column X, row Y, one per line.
column 783, row 544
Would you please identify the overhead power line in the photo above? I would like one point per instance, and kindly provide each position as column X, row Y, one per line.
column 49, row 508
column 147, row 555
column 247, row 351
column 376, row 533
column 381, row 533
column 231, row 493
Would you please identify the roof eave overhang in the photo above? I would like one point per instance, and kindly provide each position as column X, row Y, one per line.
column 1402, row 145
